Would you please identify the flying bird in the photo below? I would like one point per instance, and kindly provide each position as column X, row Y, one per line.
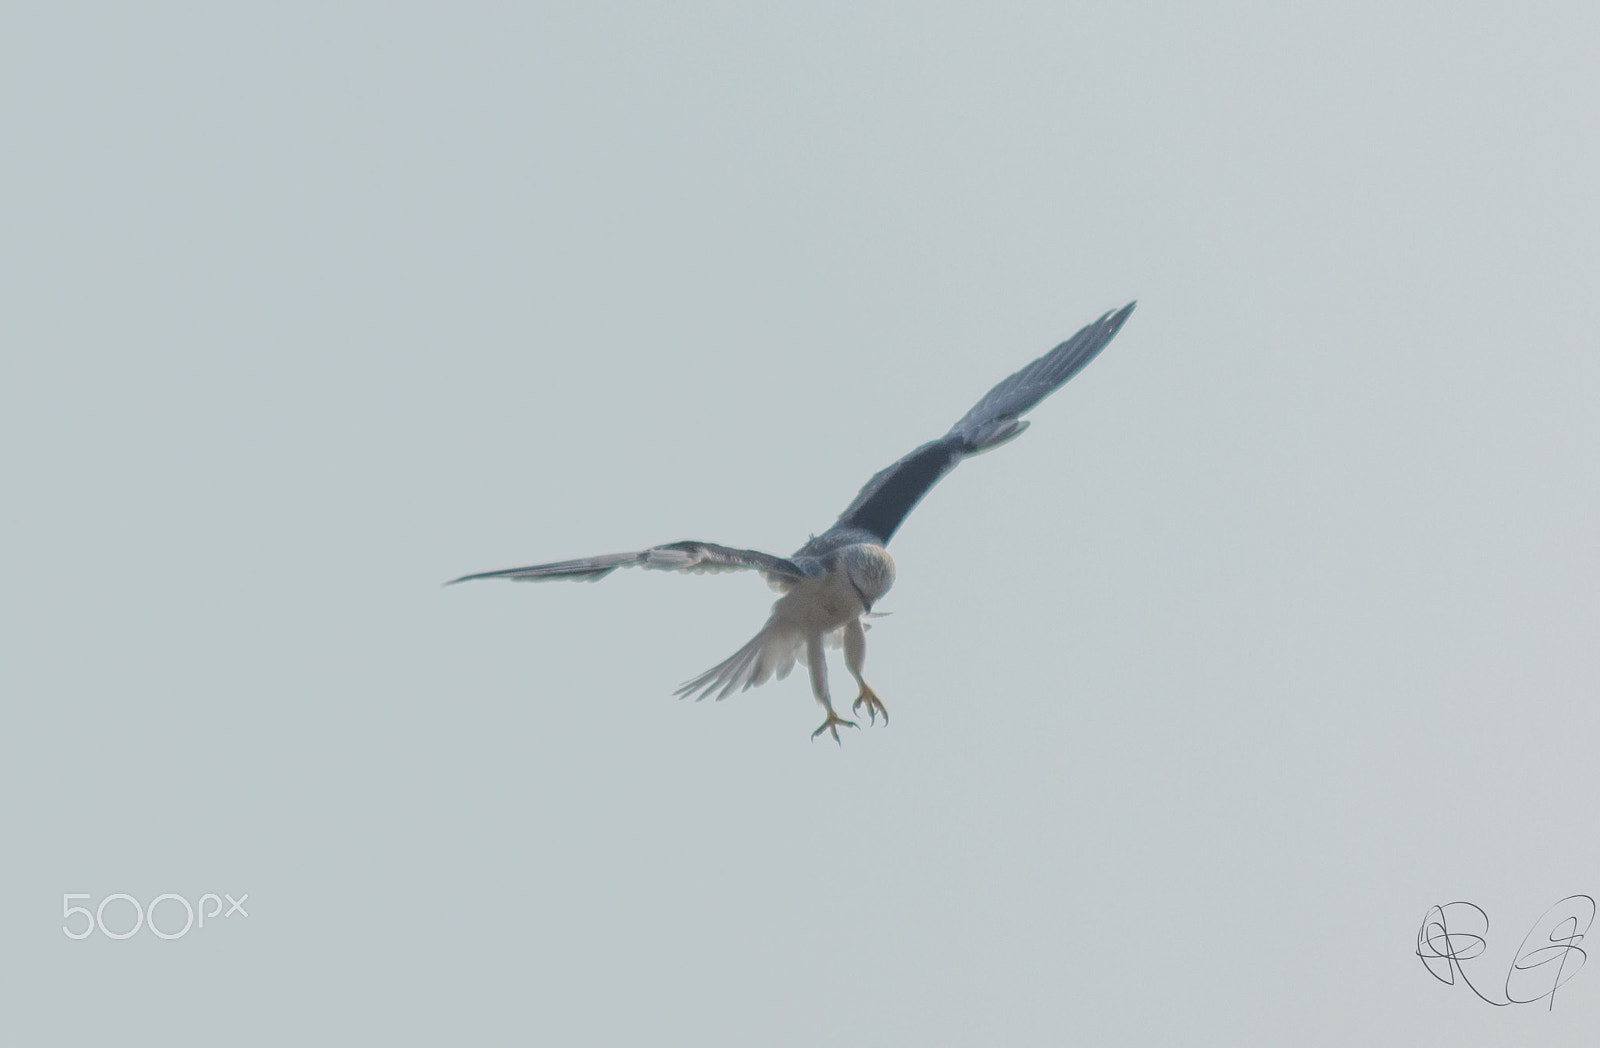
column 831, row 583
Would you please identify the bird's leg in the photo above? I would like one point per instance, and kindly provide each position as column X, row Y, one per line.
column 855, row 656
column 819, row 688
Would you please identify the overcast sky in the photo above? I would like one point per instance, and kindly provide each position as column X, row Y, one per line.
column 1276, row 628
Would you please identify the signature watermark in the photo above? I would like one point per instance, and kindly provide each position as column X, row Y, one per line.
column 126, row 927
column 1550, row 954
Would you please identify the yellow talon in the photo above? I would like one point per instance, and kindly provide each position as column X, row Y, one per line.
column 874, row 705
column 831, row 725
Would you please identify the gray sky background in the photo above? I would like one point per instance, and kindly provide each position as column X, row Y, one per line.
column 1276, row 629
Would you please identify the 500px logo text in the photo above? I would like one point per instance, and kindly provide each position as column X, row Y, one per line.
column 144, row 916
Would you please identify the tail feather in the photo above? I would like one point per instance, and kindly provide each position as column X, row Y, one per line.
column 772, row 651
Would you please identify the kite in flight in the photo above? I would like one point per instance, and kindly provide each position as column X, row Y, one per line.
column 832, row 581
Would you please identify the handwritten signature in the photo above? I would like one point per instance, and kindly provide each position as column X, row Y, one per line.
column 1547, row 959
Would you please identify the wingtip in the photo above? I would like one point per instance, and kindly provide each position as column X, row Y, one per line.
column 1114, row 319
column 474, row 575
column 1115, row 316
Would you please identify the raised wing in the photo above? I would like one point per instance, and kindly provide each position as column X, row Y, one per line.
column 688, row 555
column 894, row 492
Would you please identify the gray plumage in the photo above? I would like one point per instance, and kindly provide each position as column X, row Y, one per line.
column 691, row 556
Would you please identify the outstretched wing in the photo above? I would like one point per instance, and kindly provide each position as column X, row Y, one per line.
column 894, row 492
column 688, row 555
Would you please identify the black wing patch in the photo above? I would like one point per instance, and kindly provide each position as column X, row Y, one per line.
column 894, row 492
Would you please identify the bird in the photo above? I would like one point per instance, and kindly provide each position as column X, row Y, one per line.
column 831, row 583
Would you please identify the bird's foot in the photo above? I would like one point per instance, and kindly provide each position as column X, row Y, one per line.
column 873, row 704
column 831, row 725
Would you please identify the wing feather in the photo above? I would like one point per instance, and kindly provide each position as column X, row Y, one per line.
column 689, row 555
column 1019, row 393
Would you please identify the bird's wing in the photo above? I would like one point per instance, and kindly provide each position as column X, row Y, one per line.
column 688, row 555
column 894, row 492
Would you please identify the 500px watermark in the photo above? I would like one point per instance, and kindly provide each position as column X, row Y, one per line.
column 145, row 916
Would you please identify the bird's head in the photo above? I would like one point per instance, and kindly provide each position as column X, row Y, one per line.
column 870, row 570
